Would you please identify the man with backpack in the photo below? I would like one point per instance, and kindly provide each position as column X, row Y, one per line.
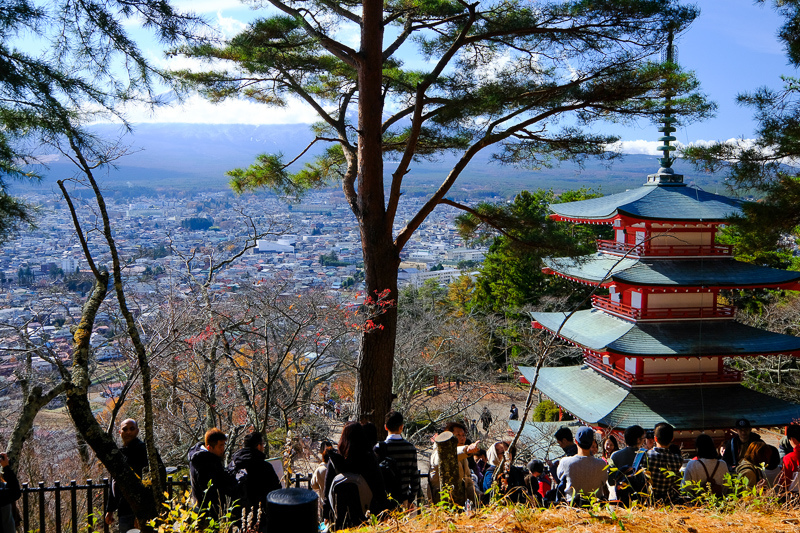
column 212, row 486
column 398, row 462
column 254, row 477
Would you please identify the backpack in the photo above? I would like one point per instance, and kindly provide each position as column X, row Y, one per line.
column 715, row 487
column 349, row 497
column 390, row 471
column 240, row 490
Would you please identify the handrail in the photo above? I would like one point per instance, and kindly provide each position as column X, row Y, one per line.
column 727, row 375
column 663, row 250
column 661, row 313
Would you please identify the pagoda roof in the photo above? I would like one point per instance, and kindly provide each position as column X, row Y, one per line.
column 601, row 332
column 674, row 201
column 716, row 272
column 597, row 400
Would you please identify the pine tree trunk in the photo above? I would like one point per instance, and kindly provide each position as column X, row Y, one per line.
column 381, row 259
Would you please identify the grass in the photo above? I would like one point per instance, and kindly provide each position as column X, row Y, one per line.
column 601, row 519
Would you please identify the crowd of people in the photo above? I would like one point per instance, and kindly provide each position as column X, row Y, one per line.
column 361, row 476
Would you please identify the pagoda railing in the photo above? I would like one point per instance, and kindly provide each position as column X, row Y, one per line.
column 663, row 250
column 726, row 375
column 661, row 313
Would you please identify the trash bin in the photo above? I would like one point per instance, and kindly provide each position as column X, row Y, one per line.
column 293, row 510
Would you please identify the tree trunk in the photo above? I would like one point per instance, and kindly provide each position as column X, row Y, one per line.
column 449, row 476
column 373, row 394
column 139, row 497
column 34, row 402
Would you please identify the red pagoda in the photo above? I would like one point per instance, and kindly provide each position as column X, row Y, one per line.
column 654, row 347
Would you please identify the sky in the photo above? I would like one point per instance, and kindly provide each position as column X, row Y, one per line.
column 732, row 47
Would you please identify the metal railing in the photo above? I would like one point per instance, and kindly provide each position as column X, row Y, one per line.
column 73, row 507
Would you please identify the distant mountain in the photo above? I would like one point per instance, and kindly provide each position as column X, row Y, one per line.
column 196, row 157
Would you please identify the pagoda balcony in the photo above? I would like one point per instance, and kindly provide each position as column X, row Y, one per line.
column 726, row 375
column 660, row 313
column 677, row 250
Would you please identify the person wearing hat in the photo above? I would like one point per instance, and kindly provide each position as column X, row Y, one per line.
column 582, row 473
column 743, row 436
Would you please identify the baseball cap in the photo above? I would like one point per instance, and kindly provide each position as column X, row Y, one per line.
column 585, row 437
column 743, row 423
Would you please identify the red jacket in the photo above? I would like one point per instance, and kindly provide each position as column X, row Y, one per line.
column 791, row 465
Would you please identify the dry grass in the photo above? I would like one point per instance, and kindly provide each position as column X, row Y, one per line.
column 523, row 519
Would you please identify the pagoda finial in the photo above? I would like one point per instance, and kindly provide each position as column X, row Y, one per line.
column 668, row 120
column 666, row 175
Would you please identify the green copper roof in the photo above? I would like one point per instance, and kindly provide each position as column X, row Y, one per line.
column 601, row 332
column 656, row 202
column 597, row 400
column 717, row 272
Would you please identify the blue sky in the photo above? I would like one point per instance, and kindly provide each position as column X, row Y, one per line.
column 732, row 47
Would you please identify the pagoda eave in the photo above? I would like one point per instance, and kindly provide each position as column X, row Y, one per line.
column 610, row 352
column 598, row 400
column 597, row 331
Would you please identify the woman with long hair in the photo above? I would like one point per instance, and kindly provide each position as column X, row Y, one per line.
column 707, row 470
column 749, row 467
column 353, row 482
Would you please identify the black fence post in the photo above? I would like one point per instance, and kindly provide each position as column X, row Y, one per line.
column 89, row 501
column 57, row 485
column 73, row 505
column 41, row 507
column 26, row 523
column 106, row 489
column 169, row 487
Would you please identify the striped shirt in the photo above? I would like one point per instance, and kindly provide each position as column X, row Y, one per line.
column 405, row 455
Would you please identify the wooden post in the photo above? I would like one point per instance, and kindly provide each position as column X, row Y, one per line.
column 449, row 475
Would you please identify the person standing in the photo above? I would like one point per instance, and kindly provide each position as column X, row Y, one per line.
column 404, row 455
column 211, row 484
column 318, row 478
column 255, row 477
column 486, row 418
column 135, row 453
column 9, row 493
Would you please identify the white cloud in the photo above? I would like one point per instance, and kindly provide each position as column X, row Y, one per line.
column 639, row 146
column 229, row 26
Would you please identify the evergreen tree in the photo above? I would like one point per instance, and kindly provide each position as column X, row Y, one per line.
column 511, row 275
column 86, row 60
column 523, row 79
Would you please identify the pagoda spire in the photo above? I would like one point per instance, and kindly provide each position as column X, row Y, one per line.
column 665, row 174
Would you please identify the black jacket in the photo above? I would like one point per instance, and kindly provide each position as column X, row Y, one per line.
column 135, row 454
column 9, row 493
column 735, row 450
column 211, row 483
column 261, row 477
column 367, row 467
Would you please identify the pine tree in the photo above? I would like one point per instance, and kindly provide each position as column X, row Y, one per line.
column 525, row 80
